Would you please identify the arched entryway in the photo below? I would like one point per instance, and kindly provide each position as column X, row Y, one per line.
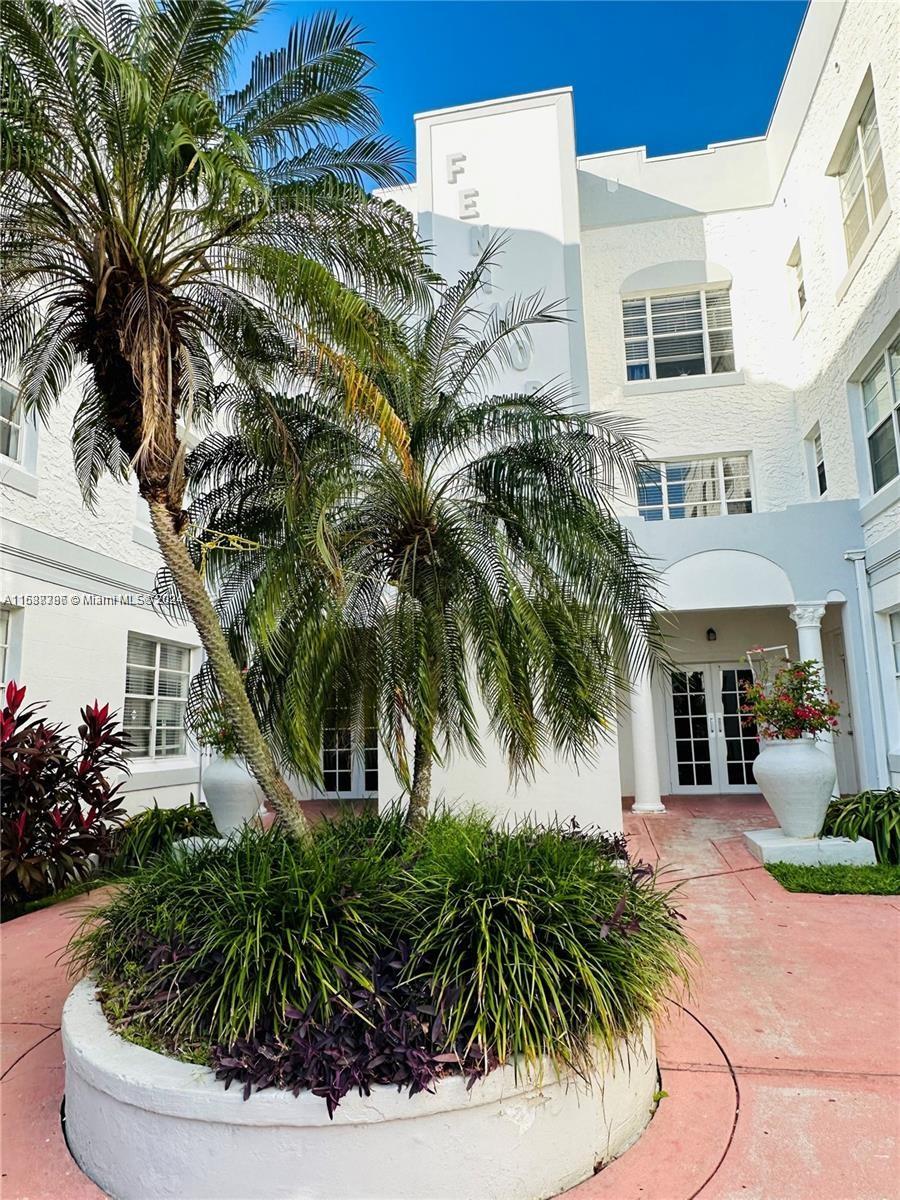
column 684, row 732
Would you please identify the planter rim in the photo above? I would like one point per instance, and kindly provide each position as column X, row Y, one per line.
column 805, row 740
column 135, row 1075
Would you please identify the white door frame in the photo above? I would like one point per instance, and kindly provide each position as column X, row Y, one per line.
column 837, row 677
column 713, row 736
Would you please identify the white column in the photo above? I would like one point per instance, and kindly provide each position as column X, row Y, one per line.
column 643, row 748
column 808, row 619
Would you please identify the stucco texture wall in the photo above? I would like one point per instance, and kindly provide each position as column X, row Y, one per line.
column 58, row 508
column 796, row 374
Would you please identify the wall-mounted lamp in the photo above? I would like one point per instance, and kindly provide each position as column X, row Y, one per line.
column 711, row 635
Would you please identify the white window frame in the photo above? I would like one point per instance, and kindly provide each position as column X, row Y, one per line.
column 6, row 616
column 798, row 284
column 852, row 147
column 693, row 290
column 894, row 630
column 815, row 459
column 20, row 425
column 362, row 763
column 155, row 697
column 719, row 460
column 893, row 416
column 11, row 648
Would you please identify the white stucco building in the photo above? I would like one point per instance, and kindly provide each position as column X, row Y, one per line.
column 741, row 302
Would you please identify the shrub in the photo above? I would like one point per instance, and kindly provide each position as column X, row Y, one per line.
column 874, row 815
column 793, row 702
column 536, row 942
column 370, row 953
column 59, row 809
column 219, row 942
column 382, row 1031
column 155, row 831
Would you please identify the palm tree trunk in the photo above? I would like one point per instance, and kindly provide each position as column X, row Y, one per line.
column 420, row 793
column 257, row 755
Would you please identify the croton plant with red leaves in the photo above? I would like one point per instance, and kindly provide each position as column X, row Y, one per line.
column 60, row 809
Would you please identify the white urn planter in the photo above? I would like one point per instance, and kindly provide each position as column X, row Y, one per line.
column 233, row 795
column 146, row 1127
column 797, row 780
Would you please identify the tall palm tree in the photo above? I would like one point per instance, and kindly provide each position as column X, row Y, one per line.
column 160, row 229
column 495, row 567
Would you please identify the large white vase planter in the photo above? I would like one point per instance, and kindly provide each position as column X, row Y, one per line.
column 509, row 1137
column 231, row 792
column 797, row 780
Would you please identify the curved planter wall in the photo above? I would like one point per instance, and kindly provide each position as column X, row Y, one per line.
column 145, row 1127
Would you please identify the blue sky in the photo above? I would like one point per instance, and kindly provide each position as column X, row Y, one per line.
column 673, row 75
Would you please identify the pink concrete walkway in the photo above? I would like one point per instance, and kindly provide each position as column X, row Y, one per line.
column 783, row 1073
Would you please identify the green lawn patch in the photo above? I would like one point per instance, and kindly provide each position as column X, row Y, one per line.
column 882, row 879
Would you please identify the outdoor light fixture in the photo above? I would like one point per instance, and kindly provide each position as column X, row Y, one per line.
column 711, row 635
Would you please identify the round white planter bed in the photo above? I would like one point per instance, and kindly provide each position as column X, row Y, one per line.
column 144, row 1127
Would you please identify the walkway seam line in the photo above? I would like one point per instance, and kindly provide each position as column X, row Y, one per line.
column 25, row 1053
column 713, row 1069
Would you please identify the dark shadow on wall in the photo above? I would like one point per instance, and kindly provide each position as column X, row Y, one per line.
column 606, row 202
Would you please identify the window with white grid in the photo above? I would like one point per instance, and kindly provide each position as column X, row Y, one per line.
column 157, row 675
column 348, row 769
column 667, row 337
column 700, row 487
column 12, row 436
column 5, row 615
column 881, row 410
column 895, row 640
column 861, row 179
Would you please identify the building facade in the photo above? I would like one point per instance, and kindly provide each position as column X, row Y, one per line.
column 741, row 304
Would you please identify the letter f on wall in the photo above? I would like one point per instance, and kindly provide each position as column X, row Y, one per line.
column 455, row 167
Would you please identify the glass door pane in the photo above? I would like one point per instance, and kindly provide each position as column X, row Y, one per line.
column 741, row 741
column 691, row 717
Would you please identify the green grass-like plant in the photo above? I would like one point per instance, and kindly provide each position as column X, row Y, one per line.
column 874, row 815
column 881, row 879
column 544, row 945
column 156, row 830
column 532, row 941
column 232, row 935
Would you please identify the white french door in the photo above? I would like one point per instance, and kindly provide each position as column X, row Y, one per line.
column 710, row 747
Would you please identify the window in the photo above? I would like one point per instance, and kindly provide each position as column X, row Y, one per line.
column 815, row 459
column 343, row 769
column 337, row 759
column 671, row 336
column 861, row 178
column 881, row 406
column 795, row 264
column 11, row 431
column 819, row 458
column 156, row 685
column 895, row 640
column 5, row 615
column 702, row 487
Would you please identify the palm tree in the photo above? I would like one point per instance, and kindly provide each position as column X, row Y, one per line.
column 495, row 567
column 160, row 229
